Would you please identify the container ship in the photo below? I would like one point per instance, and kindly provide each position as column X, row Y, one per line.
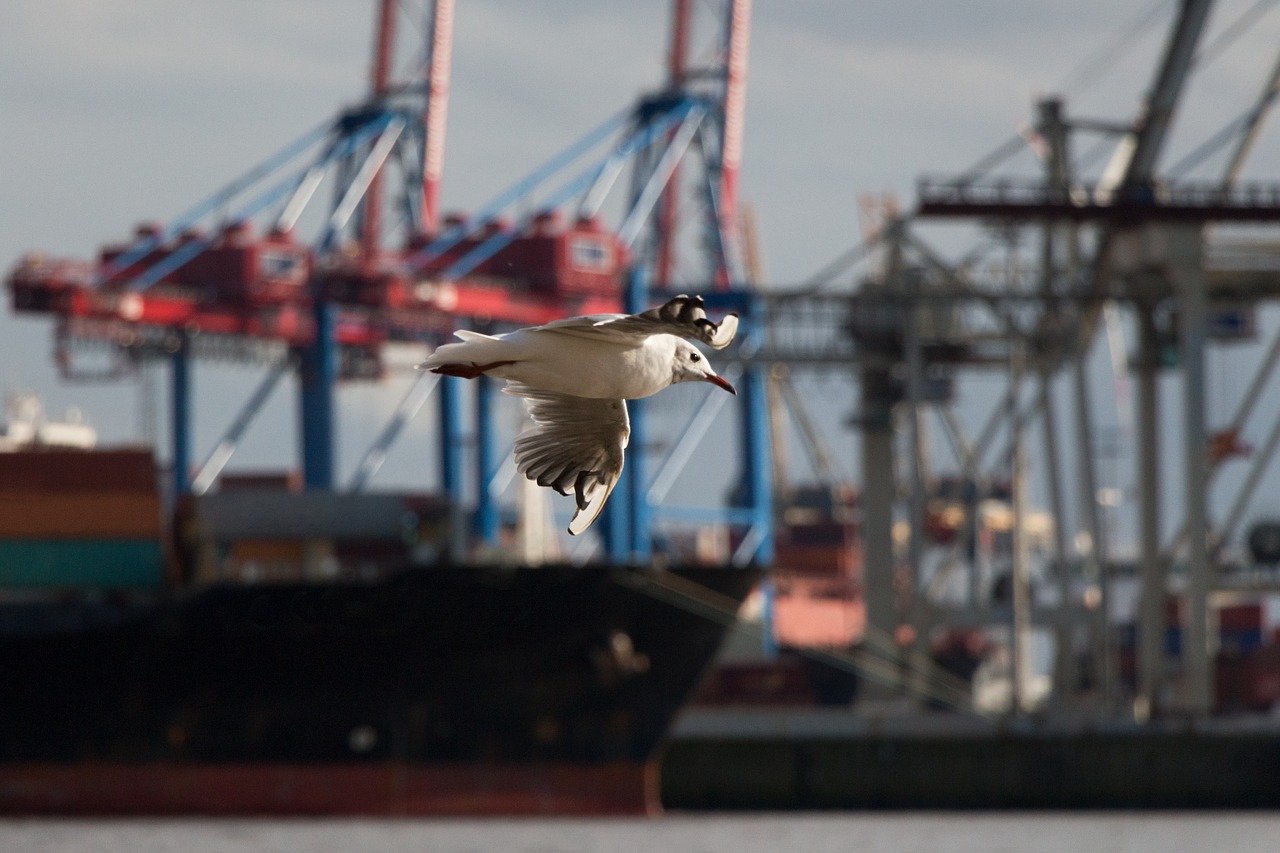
column 270, row 651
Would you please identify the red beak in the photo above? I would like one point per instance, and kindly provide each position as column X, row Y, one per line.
column 723, row 383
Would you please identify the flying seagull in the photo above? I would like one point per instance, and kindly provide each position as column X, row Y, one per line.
column 575, row 376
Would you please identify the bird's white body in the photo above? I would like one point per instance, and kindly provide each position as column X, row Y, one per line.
column 575, row 376
column 557, row 360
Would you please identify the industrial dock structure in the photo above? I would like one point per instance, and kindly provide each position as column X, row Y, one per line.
column 181, row 637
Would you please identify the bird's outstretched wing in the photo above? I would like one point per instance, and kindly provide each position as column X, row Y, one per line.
column 685, row 316
column 575, row 447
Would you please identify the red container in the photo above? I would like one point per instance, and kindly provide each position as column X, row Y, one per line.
column 1253, row 682
column 778, row 682
column 1262, row 678
column 1240, row 617
column 831, row 561
column 113, row 471
column 285, row 481
column 835, row 533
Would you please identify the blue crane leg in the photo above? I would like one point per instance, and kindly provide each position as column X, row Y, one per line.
column 757, row 454
column 452, row 440
column 452, row 443
column 635, row 473
column 319, row 377
column 486, row 520
column 636, row 497
column 756, row 459
column 615, row 522
column 180, row 401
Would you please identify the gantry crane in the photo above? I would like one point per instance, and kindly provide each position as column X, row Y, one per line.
column 1149, row 253
column 234, row 273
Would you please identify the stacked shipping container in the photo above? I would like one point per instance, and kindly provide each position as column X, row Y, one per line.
column 75, row 518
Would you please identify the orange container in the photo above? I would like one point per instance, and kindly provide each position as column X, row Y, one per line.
column 269, row 550
column 79, row 515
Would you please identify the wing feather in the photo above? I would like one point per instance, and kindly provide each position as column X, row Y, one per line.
column 685, row 316
column 576, row 446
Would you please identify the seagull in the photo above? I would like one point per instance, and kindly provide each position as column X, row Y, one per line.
column 575, row 376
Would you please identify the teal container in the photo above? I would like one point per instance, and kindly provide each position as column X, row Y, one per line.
column 104, row 563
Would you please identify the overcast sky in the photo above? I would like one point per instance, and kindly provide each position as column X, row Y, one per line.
column 116, row 112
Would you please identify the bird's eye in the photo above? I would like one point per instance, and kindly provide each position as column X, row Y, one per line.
column 696, row 357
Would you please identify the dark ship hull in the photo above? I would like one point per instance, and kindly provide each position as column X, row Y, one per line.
column 440, row 690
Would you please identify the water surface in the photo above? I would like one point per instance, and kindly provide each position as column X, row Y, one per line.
column 1092, row 832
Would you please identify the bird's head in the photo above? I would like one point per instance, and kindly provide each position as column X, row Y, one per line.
column 692, row 366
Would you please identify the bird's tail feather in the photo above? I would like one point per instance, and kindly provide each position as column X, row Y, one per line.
column 467, row 335
column 474, row 347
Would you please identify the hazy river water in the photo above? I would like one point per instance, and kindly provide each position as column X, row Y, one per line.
column 1156, row 832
